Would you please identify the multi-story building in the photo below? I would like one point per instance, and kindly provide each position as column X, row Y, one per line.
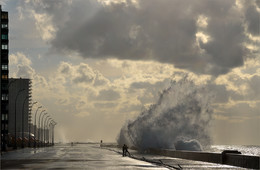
column 19, row 106
column 4, row 76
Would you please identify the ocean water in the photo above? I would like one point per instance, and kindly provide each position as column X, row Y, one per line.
column 244, row 149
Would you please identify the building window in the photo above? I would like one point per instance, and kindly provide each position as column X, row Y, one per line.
column 4, row 26
column 4, row 96
column 4, row 37
column 4, row 77
column 4, row 117
column 4, row 126
column 4, row 57
column 6, row 107
column 4, row 16
column 4, row 46
column 4, row 86
column 4, row 67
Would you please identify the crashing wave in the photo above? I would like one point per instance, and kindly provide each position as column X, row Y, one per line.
column 179, row 120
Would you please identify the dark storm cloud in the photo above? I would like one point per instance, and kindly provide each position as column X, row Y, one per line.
column 221, row 95
column 62, row 10
column 140, row 85
column 105, row 105
column 164, row 31
column 253, row 19
column 151, row 91
column 108, row 95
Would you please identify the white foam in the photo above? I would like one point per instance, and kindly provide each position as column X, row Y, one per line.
column 180, row 116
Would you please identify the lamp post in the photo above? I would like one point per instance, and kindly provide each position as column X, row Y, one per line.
column 35, row 125
column 50, row 131
column 29, row 122
column 44, row 133
column 15, row 142
column 40, row 125
column 53, row 133
column 53, row 124
column 23, row 121
column 48, row 128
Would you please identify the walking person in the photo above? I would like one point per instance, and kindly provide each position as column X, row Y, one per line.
column 125, row 150
column 101, row 142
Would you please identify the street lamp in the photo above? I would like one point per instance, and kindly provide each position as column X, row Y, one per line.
column 53, row 133
column 23, row 121
column 29, row 122
column 15, row 142
column 50, row 130
column 35, row 125
column 44, row 133
column 40, row 125
column 53, row 123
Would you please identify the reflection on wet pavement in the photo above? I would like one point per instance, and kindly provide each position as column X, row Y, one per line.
column 80, row 156
column 91, row 156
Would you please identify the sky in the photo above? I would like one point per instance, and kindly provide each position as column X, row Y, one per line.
column 96, row 64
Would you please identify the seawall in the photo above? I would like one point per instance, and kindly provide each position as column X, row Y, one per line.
column 226, row 157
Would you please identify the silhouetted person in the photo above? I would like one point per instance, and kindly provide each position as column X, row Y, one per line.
column 101, row 143
column 125, row 150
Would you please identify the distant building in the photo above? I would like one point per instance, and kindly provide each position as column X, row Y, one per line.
column 19, row 97
column 4, row 76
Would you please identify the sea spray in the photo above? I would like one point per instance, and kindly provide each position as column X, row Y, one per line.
column 179, row 120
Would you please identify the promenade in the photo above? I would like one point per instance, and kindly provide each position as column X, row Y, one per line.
column 91, row 156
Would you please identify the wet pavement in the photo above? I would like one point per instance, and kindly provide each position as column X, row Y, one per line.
column 79, row 156
column 91, row 156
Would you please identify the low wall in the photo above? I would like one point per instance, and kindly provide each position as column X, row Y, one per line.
column 244, row 161
column 239, row 160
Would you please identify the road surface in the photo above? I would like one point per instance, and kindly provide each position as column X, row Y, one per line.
column 91, row 156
